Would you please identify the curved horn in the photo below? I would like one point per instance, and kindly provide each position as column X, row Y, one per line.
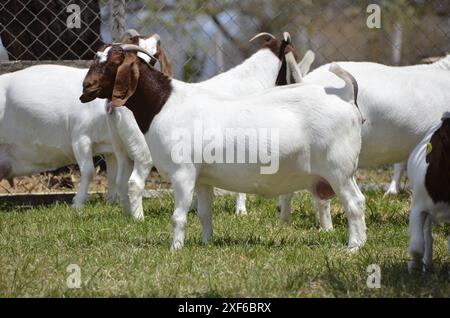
column 156, row 37
column 262, row 34
column 136, row 48
column 287, row 37
column 131, row 33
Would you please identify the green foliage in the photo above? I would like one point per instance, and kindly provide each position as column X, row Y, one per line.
column 194, row 63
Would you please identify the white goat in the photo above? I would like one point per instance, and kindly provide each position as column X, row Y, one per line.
column 43, row 125
column 254, row 75
column 399, row 105
column 399, row 168
column 429, row 174
column 314, row 140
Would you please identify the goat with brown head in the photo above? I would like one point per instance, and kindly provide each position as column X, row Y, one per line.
column 119, row 75
column 285, row 51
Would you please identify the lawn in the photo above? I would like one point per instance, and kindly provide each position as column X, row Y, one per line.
column 250, row 256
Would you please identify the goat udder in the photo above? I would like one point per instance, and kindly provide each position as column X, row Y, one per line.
column 323, row 190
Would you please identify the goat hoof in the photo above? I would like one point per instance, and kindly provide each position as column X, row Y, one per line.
column 415, row 267
column 78, row 205
column 285, row 221
column 241, row 212
column 326, row 228
column 138, row 216
column 176, row 246
column 354, row 247
column 391, row 192
column 113, row 199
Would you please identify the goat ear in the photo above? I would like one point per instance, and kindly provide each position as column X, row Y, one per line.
column 127, row 78
column 306, row 62
column 293, row 69
column 166, row 66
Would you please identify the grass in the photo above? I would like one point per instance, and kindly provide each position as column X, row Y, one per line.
column 251, row 256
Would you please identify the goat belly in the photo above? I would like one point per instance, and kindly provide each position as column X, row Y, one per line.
column 242, row 180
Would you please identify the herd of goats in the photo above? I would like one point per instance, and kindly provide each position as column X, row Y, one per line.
column 323, row 125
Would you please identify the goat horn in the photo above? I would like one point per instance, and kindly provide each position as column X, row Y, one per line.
column 261, row 34
column 287, row 37
column 136, row 48
column 156, row 37
column 132, row 33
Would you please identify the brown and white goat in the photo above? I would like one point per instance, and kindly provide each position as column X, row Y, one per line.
column 429, row 174
column 315, row 141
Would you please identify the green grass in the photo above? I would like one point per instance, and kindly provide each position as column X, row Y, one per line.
column 251, row 256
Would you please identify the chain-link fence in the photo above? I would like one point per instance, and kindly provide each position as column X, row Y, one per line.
column 203, row 38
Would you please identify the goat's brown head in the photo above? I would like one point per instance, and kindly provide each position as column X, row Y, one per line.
column 281, row 48
column 114, row 74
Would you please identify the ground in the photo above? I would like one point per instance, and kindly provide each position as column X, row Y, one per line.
column 250, row 256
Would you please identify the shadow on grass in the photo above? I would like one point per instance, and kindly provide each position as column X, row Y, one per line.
column 395, row 281
column 6, row 207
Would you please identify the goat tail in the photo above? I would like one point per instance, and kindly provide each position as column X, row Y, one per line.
column 443, row 63
column 350, row 81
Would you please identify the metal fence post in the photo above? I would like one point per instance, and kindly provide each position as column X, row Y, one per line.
column 117, row 19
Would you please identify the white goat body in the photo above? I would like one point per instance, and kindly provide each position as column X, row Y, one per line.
column 399, row 105
column 43, row 126
column 253, row 76
column 319, row 139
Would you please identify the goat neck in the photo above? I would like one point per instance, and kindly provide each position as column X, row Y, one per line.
column 152, row 92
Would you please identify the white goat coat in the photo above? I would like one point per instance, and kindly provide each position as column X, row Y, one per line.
column 43, row 124
column 254, row 75
column 399, row 104
column 319, row 138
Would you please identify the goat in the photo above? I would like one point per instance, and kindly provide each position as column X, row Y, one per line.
column 43, row 125
column 428, row 172
column 262, row 70
column 438, row 63
column 399, row 104
column 315, row 139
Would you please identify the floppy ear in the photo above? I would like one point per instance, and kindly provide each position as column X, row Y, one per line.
column 164, row 62
column 127, row 78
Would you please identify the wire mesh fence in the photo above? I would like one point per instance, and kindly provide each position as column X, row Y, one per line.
column 203, row 38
